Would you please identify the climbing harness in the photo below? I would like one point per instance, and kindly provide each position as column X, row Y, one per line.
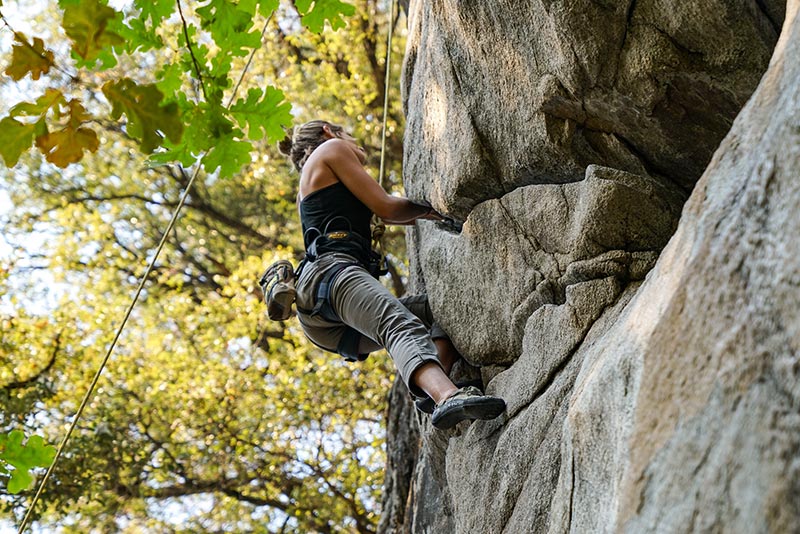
column 277, row 282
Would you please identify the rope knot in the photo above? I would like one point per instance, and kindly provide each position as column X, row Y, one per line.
column 377, row 231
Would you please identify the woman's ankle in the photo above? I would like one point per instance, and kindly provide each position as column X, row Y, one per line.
column 448, row 355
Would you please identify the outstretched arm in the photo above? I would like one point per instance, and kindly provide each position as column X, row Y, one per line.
column 342, row 159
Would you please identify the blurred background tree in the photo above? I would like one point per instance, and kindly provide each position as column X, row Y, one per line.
column 209, row 418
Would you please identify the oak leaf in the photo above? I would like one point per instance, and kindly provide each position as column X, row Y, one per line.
column 155, row 10
column 228, row 154
column 264, row 112
column 15, row 138
column 86, row 23
column 29, row 58
column 149, row 119
column 66, row 145
column 34, row 453
column 330, row 10
column 49, row 100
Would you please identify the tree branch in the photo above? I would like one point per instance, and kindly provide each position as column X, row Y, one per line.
column 28, row 381
column 191, row 52
column 200, row 207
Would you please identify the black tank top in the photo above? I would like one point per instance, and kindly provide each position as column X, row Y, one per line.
column 335, row 208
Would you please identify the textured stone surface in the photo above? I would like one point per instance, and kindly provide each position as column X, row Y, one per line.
column 522, row 251
column 509, row 93
column 647, row 390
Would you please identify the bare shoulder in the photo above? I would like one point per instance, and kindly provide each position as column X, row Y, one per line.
column 334, row 149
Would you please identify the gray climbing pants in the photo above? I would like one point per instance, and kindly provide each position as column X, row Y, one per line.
column 405, row 327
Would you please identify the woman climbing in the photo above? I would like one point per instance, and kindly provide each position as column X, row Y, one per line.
column 341, row 305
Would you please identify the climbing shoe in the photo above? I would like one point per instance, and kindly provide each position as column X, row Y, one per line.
column 466, row 403
column 426, row 405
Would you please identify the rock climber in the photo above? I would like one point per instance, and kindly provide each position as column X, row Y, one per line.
column 341, row 305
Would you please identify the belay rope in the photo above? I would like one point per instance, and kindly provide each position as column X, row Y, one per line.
column 127, row 315
column 378, row 228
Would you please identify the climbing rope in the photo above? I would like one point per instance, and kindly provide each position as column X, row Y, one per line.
column 127, row 315
column 378, row 228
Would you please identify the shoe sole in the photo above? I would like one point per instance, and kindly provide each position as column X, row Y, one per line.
column 427, row 405
column 481, row 408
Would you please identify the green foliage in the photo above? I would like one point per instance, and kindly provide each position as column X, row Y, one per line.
column 22, row 458
column 323, row 10
column 146, row 112
column 15, row 138
column 101, row 37
column 229, row 24
column 228, row 155
column 155, row 10
column 205, row 405
column 264, row 112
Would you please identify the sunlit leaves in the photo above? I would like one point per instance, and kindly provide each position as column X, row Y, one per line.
column 147, row 115
column 15, row 138
column 23, row 458
column 215, row 138
column 228, row 155
column 209, row 124
column 29, row 58
column 265, row 113
column 155, row 10
column 202, row 391
column 49, row 100
column 63, row 146
column 324, row 10
column 138, row 37
column 86, row 22
column 66, row 145
column 229, row 26
column 267, row 7
column 208, row 40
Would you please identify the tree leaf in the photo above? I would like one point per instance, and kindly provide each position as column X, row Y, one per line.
column 229, row 155
column 147, row 116
column 50, row 99
column 267, row 7
column 66, row 145
column 19, row 481
column 29, row 58
column 264, row 112
column 229, row 27
column 35, row 453
column 86, row 24
column 209, row 124
column 15, row 138
column 330, row 10
column 169, row 79
column 138, row 37
column 155, row 10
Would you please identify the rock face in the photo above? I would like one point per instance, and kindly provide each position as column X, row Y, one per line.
column 648, row 346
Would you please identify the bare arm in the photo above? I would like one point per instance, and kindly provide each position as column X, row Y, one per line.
column 342, row 159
